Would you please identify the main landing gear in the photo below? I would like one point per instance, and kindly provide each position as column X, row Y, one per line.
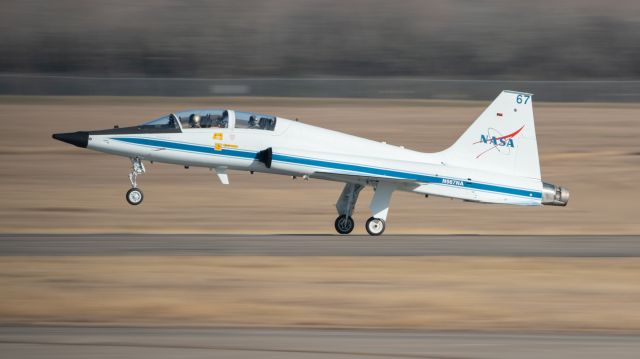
column 134, row 195
column 346, row 202
column 379, row 206
column 375, row 226
column 344, row 224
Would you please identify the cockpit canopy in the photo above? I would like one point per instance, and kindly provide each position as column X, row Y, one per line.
column 213, row 119
column 192, row 119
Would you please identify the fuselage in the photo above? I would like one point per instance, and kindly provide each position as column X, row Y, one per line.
column 300, row 149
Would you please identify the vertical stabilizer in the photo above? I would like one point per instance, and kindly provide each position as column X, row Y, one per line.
column 501, row 140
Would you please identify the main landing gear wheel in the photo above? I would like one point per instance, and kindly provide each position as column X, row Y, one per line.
column 375, row 226
column 344, row 224
column 134, row 196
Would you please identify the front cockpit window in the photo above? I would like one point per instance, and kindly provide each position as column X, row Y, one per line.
column 255, row 121
column 164, row 122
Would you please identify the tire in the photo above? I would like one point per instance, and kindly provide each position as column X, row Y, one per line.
column 134, row 196
column 375, row 226
column 344, row 224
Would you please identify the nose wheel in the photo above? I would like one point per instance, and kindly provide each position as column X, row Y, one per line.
column 134, row 195
column 344, row 224
column 375, row 226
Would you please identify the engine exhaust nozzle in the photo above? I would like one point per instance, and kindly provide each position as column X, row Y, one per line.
column 553, row 195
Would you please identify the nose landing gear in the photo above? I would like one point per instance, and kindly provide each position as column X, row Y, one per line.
column 134, row 195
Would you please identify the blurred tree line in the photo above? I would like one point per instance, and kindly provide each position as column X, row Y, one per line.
column 489, row 39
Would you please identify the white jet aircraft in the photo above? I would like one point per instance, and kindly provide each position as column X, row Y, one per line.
column 494, row 161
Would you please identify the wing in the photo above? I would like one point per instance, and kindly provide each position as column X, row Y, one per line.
column 362, row 179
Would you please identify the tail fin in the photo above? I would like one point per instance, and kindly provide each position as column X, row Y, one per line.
column 501, row 140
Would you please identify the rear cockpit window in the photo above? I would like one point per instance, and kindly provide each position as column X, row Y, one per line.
column 255, row 121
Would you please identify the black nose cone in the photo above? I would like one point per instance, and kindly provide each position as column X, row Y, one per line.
column 80, row 139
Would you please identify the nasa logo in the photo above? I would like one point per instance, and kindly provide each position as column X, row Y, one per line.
column 497, row 141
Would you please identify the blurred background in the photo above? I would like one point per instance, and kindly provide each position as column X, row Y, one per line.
column 361, row 48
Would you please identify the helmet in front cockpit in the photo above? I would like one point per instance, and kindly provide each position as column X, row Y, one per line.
column 253, row 122
column 194, row 121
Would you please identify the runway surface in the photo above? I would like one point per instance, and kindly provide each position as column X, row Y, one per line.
column 265, row 343
column 318, row 245
column 101, row 342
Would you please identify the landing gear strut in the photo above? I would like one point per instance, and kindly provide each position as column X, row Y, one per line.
column 134, row 195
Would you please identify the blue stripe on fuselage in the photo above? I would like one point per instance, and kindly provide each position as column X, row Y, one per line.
column 186, row 147
column 332, row 165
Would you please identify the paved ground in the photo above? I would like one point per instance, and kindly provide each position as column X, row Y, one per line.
column 320, row 245
column 100, row 342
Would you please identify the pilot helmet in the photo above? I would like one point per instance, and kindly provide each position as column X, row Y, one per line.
column 194, row 120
